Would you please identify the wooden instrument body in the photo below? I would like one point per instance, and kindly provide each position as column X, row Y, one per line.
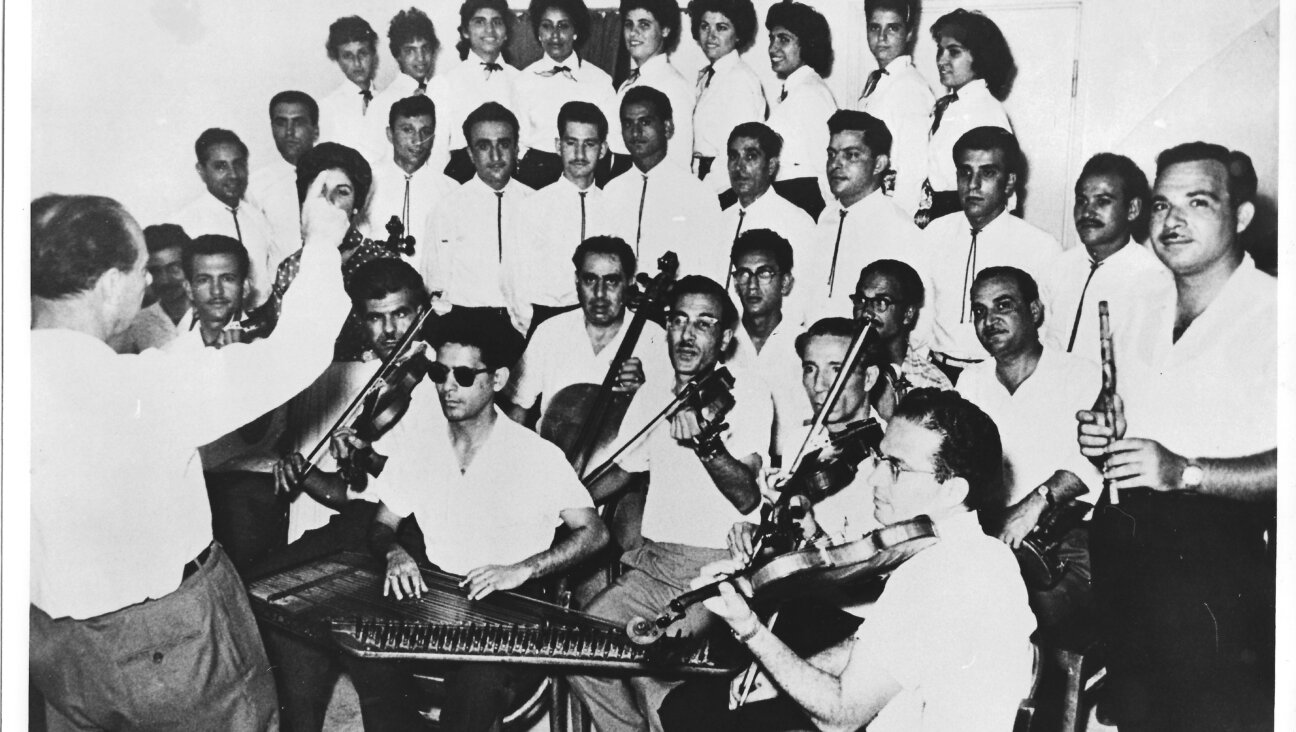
column 568, row 411
column 1041, row 566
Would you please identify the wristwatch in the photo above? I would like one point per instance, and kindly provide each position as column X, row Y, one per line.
column 1191, row 478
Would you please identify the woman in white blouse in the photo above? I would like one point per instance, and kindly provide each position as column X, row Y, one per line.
column 651, row 29
column 801, row 54
column 729, row 92
column 977, row 68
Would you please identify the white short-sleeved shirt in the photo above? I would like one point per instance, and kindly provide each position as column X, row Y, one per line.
column 208, row 215
column 1007, row 241
column 733, row 96
column 684, row 506
column 1037, row 423
column 976, row 107
column 501, row 509
column 660, row 74
column 555, row 218
column 541, row 93
column 273, row 189
column 953, row 629
column 679, row 213
column 802, row 120
column 903, row 100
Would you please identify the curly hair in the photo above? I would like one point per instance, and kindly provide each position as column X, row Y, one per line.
column 332, row 156
column 573, row 9
column 75, row 240
column 665, row 12
column 466, row 13
column 992, row 60
column 739, row 12
column 350, row 29
column 970, row 446
column 409, row 25
column 811, row 30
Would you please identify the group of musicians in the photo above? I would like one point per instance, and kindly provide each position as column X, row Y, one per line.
column 652, row 371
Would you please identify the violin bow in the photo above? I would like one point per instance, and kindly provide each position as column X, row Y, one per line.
column 834, row 392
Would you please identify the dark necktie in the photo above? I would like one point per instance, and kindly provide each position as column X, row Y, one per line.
column 643, row 196
column 631, row 79
column 561, row 70
column 422, row 88
column 941, row 105
column 491, row 67
column 499, row 222
column 969, row 274
column 405, row 206
column 1075, row 327
column 367, row 96
column 783, row 94
column 704, row 77
column 238, row 232
column 582, row 195
column 871, row 84
column 742, row 213
column 832, row 268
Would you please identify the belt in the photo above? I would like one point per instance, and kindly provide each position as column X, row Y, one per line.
column 945, row 360
column 195, row 564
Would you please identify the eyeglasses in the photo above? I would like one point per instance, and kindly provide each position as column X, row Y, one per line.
column 703, row 325
column 879, row 304
column 764, row 275
column 896, row 468
column 439, row 372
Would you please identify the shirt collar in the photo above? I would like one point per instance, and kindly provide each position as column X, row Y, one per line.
column 900, row 63
column 866, row 203
column 576, row 190
column 728, row 61
column 802, row 75
column 976, row 87
column 479, row 183
column 475, row 58
column 959, row 525
column 652, row 63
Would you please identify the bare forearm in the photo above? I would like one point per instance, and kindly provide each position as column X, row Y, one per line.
column 577, row 546
column 1249, row 478
column 736, row 481
column 817, row 692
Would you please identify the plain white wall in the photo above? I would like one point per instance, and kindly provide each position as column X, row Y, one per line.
column 122, row 89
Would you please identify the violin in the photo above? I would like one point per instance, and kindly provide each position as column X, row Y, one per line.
column 812, row 571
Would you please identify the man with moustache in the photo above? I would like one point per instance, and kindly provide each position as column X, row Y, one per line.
column 413, row 42
column 294, row 124
column 702, row 470
column 155, row 325
column 349, row 116
column 1189, row 595
column 1111, row 213
column 404, row 186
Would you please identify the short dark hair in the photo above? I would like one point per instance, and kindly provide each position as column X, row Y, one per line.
column 489, row 112
column 583, row 113
column 330, row 156
column 992, row 60
column 992, row 138
column 665, row 12
column 349, row 29
column 574, row 9
column 739, row 12
column 1025, row 283
column 970, row 446
column 415, row 106
column 904, row 8
column 213, row 136
column 701, row 285
column 811, row 30
column 836, row 327
column 771, row 142
column 408, row 25
column 292, row 96
column 466, row 13
column 648, row 95
column 763, row 240
column 500, row 345
column 160, row 237
column 1133, row 182
column 911, row 284
column 612, row 246
column 210, row 245
column 876, row 134
column 378, row 278
column 1242, row 182
column 75, row 240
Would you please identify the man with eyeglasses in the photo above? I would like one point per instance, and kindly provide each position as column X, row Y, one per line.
column 702, row 469
column 947, row 644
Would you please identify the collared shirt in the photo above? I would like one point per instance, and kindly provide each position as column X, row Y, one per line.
column 779, row 367
column 460, row 90
column 1211, row 393
column 427, row 187
column 976, row 107
column 1037, row 422
column 208, row 215
column 904, row 102
column 774, row 212
column 118, row 502
column 346, row 119
column 273, row 189
column 684, row 504
column 469, row 259
column 675, row 212
column 541, row 92
column 733, row 96
column 151, row 328
column 953, row 629
column 1007, row 241
column 1129, row 280
column 658, row 73
column 802, row 120
column 554, row 228
column 499, row 509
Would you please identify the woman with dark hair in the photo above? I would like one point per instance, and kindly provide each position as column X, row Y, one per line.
column 562, row 27
column 976, row 66
column 801, row 54
column 729, row 92
column 651, row 30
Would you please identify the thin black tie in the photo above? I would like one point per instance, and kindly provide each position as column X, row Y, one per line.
column 704, row 78
column 499, row 222
column 941, row 105
column 742, row 213
column 582, row 195
column 1075, row 327
column 367, row 96
column 238, row 232
column 405, row 207
column 631, row 79
column 871, row 84
column 783, row 94
column 969, row 274
column 643, row 196
column 832, row 269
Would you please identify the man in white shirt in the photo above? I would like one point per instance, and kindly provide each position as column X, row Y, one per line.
column 947, row 644
column 1032, row 392
column 897, row 94
column 348, row 115
column 862, row 224
column 294, row 124
column 405, row 187
column 223, row 209
column 1190, row 595
column 1111, row 212
column 413, row 42
column 476, row 232
column 984, row 234
column 702, row 467
column 658, row 206
column 155, row 325
column 128, row 591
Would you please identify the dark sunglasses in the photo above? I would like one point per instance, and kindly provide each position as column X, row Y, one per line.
column 439, row 372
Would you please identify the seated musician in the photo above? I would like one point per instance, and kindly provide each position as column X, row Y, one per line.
column 702, row 470
column 487, row 494
column 946, row 645
column 1032, row 392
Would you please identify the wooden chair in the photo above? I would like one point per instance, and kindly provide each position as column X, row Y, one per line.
column 1062, row 691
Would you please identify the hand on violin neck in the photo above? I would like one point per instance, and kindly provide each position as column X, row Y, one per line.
column 731, row 603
